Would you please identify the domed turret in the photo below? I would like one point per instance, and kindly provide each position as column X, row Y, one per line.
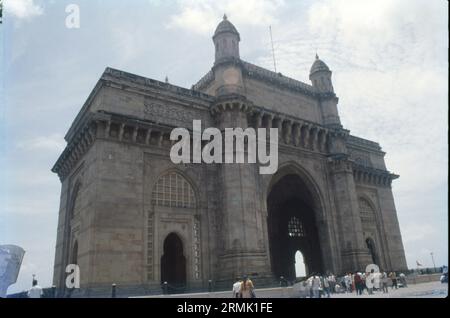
column 320, row 76
column 226, row 41
column 318, row 66
column 226, row 26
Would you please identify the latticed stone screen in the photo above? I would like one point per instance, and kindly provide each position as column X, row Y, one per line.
column 295, row 227
column 173, row 190
column 366, row 211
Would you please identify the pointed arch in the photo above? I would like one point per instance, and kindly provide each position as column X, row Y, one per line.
column 292, row 167
column 296, row 222
column 369, row 222
column 173, row 261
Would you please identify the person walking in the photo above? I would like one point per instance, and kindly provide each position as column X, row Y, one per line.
column 403, row 280
column 309, row 282
column 348, row 282
column 326, row 286
column 237, row 288
column 393, row 278
column 315, row 286
column 247, row 288
column 358, row 284
column 332, row 282
column 370, row 281
column 384, row 283
column 377, row 281
column 35, row 291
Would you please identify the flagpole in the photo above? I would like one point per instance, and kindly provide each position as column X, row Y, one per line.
column 432, row 258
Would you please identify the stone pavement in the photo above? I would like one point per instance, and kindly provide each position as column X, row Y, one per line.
column 425, row 290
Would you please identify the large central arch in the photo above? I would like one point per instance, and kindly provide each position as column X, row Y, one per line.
column 292, row 223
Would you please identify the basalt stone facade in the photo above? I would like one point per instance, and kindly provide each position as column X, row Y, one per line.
column 130, row 216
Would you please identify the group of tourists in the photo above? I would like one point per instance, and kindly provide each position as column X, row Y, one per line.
column 318, row 285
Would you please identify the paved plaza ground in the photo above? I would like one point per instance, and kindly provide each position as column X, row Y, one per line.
column 421, row 290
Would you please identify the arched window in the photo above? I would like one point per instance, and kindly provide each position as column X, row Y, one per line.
column 173, row 190
column 300, row 265
column 295, row 227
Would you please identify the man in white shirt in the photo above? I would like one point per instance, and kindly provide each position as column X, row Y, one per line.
column 35, row 291
column 237, row 288
column 316, row 286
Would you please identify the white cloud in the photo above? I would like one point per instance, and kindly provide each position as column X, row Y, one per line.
column 389, row 61
column 53, row 143
column 203, row 16
column 22, row 9
column 414, row 232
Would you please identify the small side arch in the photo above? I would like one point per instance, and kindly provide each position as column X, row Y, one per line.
column 173, row 261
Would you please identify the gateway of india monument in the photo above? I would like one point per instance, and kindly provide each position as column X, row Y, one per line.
column 130, row 216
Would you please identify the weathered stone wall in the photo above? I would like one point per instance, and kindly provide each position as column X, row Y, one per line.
column 77, row 206
column 121, row 231
column 282, row 100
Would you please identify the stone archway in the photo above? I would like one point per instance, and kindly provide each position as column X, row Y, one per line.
column 292, row 226
column 173, row 263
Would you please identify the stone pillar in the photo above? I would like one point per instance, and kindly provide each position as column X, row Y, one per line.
column 296, row 134
column 148, row 136
column 243, row 252
column 354, row 253
column 269, row 123
column 394, row 253
column 306, row 137
column 288, row 134
column 279, row 125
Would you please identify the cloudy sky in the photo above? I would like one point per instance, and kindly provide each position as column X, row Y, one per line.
column 390, row 71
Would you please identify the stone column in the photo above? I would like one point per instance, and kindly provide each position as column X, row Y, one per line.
column 354, row 253
column 279, row 124
column 306, row 137
column 296, row 134
column 243, row 252
column 288, row 135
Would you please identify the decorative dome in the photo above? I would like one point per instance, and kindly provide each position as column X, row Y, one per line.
column 319, row 66
column 226, row 27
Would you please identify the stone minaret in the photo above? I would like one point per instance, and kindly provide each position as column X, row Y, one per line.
column 227, row 72
column 355, row 253
column 226, row 41
column 241, row 252
column 320, row 76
